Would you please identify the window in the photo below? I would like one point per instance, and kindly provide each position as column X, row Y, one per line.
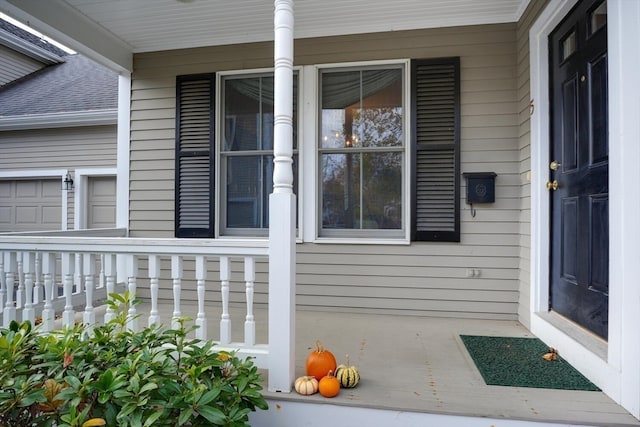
column 245, row 152
column 361, row 152
column 387, row 154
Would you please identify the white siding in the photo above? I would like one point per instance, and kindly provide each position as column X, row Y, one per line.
column 421, row 278
column 14, row 65
column 63, row 148
column 524, row 100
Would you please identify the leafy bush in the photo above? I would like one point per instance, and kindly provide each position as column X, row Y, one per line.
column 108, row 375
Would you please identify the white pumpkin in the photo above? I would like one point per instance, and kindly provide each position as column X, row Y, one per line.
column 306, row 385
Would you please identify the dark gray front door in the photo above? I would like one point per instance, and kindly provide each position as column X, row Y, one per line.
column 578, row 173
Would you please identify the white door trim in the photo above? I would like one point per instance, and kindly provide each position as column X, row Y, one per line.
column 617, row 374
column 80, row 199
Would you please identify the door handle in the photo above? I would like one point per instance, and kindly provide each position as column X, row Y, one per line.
column 554, row 165
column 553, row 185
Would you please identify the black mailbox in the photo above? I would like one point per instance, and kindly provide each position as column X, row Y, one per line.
column 480, row 187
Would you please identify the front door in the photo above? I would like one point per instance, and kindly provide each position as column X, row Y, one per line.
column 578, row 172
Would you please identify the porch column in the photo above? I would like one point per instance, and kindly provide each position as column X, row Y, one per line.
column 282, row 206
column 122, row 162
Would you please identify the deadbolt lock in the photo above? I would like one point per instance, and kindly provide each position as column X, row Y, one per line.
column 554, row 165
column 553, row 185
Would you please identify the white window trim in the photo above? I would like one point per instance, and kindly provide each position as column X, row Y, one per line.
column 312, row 184
column 218, row 102
column 40, row 174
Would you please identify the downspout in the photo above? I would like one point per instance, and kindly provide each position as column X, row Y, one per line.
column 282, row 205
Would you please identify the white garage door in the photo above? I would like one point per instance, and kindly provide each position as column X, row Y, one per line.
column 101, row 203
column 30, row 205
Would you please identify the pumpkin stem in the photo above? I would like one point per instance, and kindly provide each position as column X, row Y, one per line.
column 347, row 360
column 319, row 347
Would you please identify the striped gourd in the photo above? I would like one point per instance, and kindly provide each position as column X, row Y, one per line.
column 348, row 376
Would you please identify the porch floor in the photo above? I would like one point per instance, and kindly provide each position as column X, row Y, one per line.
column 419, row 364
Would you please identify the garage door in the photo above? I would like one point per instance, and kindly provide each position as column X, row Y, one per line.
column 101, row 203
column 30, row 205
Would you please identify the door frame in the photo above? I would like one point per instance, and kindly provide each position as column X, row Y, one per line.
column 80, row 200
column 619, row 358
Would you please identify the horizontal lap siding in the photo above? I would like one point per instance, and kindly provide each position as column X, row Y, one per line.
column 61, row 148
column 421, row 278
column 14, row 65
column 524, row 146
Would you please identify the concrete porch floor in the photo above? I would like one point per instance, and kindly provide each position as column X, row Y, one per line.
column 419, row 364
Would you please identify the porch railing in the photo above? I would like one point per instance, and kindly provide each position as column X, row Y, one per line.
column 63, row 278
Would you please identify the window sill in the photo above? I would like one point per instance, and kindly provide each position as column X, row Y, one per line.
column 361, row 241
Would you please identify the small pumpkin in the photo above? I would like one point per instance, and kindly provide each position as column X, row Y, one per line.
column 329, row 386
column 348, row 375
column 306, row 385
column 320, row 362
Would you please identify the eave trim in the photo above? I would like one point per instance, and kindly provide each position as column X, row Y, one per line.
column 59, row 120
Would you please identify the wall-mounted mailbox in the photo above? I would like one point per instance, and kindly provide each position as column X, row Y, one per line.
column 480, row 187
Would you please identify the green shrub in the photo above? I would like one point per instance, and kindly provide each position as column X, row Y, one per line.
column 108, row 375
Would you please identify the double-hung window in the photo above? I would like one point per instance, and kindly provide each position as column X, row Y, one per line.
column 387, row 152
column 361, row 152
column 246, row 153
column 224, row 171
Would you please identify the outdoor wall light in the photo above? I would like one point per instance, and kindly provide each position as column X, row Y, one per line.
column 67, row 184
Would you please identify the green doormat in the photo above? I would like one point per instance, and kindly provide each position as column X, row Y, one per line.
column 518, row 362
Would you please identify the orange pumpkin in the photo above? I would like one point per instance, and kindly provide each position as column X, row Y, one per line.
column 329, row 386
column 320, row 362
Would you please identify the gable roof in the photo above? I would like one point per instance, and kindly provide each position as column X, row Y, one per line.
column 78, row 84
column 70, row 89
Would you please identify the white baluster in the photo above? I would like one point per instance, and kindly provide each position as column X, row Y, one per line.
column 101, row 274
column 154, row 275
column 3, row 284
column 48, row 270
column 37, row 285
column 132, row 275
column 77, row 282
column 68, row 270
column 20, row 291
column 110, row 272
column 249, row 323
column 176, row 275
column 225, row 320
column 28, row 268
column 89, row 271
column 10, row 266
column 201, row 276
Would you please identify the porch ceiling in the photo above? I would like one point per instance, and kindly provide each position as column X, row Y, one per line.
column 111, row 30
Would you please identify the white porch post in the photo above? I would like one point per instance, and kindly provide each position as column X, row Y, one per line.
column 282, row 205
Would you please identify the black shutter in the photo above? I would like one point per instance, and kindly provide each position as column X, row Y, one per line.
column 435, row 105
column 194, row 209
